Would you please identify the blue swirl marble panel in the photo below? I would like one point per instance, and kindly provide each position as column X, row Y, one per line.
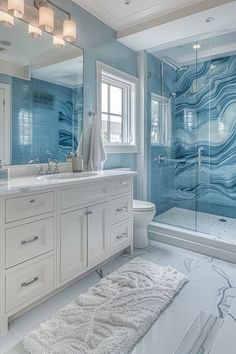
column 205, row 117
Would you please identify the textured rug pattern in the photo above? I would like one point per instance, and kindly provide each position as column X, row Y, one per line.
column 112, row 315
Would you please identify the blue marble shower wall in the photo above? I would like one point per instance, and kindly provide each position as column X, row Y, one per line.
column 47, row 120
column 205, row 118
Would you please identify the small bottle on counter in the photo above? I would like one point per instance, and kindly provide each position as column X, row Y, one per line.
column 4, row 172
column 77, row 163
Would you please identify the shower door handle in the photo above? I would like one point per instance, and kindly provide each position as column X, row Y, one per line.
column 200, row 157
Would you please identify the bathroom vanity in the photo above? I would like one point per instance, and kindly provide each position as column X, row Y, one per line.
column 55, row 229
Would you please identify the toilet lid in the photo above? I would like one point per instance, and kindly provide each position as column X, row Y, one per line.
column 140, row 205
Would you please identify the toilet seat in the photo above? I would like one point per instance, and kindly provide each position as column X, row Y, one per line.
column 142, row 206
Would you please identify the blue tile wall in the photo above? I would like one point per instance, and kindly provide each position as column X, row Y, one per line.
column 47, row 120
column 205, row 118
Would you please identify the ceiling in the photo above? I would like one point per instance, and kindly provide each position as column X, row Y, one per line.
column 213, row 47
column 120, row 16
column 185, row 28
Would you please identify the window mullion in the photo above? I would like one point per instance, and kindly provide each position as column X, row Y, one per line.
column 109, row 114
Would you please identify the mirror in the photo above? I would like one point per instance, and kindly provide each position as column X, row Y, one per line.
column 41, row 97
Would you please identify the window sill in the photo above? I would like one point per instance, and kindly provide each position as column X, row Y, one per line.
column 121, row 149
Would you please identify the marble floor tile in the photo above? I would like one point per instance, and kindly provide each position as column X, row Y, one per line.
column 201, row 336
column 226, row 341
column 8, row 341
column 211, row 288
column 166, row 334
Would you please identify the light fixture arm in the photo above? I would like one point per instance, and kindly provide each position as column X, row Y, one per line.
column 39, row 3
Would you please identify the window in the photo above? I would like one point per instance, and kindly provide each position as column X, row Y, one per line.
column 160, row 120
column 117, row 105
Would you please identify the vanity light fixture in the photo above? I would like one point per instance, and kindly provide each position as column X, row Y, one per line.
column 46, row 18
column 69, row 30
column 35, row 32
column 58, row 42
column 6, row 19
column 16, row 8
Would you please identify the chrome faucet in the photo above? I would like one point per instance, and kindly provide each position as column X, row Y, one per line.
column 50, row 169
column 41, row 170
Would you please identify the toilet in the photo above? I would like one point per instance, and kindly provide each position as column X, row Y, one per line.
column 143, row 213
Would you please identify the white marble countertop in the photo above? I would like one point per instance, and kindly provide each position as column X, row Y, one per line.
column 36, row 183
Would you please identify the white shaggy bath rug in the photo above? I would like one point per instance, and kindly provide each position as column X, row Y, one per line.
column 112, row 315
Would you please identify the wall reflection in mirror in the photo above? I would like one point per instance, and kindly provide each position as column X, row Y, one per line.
column 41, row 97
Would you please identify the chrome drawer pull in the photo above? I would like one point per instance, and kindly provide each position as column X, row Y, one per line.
column 25, row 242
column 32, row 201
column 119, row 210
column 24, row 285
column 121, row 236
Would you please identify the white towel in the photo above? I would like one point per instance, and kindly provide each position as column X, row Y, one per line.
column 97, row 155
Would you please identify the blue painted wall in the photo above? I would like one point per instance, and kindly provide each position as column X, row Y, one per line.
column 206, row 118
column 99, row 43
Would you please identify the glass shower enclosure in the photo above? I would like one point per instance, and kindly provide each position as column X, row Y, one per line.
column 192, row 141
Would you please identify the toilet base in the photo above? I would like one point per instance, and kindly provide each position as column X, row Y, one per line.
column 140, row 237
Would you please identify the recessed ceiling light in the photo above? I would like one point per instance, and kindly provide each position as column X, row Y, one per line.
column 127, row 2
column 209, row 19
column 196, row 46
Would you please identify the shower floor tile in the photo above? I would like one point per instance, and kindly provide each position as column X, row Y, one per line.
column 214, row 226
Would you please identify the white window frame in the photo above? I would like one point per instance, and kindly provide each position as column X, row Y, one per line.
column 5, row 126
column 133, row 109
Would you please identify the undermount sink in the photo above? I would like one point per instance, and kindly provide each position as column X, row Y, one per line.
column 68, row 176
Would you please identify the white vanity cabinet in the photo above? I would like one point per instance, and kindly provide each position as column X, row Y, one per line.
column 55, row 235
column 73, row 245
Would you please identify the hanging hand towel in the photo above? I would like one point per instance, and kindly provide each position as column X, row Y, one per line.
column 97, row 155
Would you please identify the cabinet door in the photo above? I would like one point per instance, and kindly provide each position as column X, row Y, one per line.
column 98, row 235
column 73, row 243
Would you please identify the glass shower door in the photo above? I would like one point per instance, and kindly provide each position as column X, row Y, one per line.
column 173, row 148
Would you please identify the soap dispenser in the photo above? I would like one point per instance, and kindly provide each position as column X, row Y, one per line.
column 4, row 173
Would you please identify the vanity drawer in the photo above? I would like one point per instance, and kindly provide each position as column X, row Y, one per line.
column 28, row 206
column 28, row 241
column 83, row 194
column 121, row 236
column 121, row 208
column 27, row 283
column 122, row 186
